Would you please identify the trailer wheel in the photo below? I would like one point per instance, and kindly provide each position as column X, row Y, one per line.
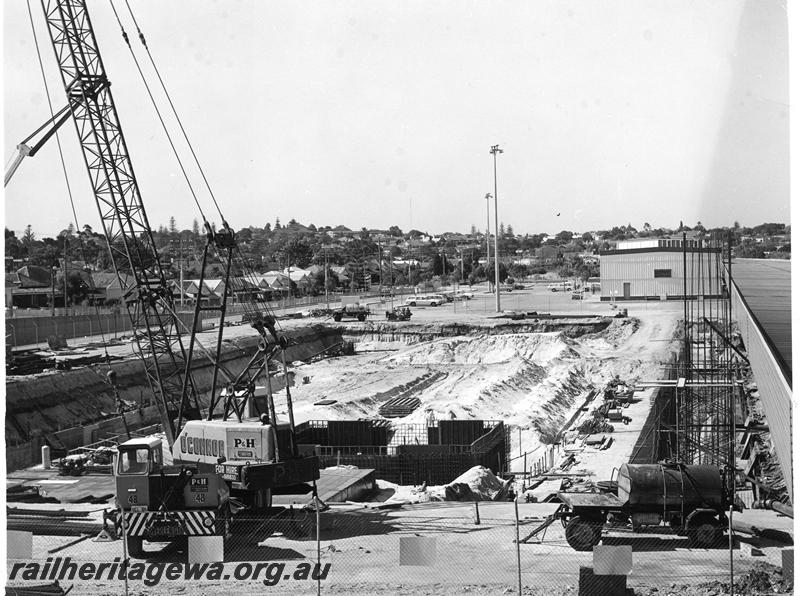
column 705, row 532
column 362, row 317
column 583, row 534
column 337, row 317
column 135, row 548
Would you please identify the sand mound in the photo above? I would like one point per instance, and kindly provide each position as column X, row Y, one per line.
column 539, row 348
column 476, row 484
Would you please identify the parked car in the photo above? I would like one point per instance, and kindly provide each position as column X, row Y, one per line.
column 559, row 287
column 425, row 300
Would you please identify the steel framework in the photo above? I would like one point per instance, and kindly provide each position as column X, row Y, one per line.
column 119, row 203
column 709, row 388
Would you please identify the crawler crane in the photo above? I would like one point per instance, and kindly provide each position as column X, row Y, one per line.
column 220, row 465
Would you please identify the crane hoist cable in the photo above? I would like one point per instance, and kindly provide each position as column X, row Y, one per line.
column 247, row 271
column 66, row 175
column 158, row 112
column 52, row 113
column 233, row 252
column 174, row 111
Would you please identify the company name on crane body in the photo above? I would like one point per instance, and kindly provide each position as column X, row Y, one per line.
column 212, row 447
column 201, row 446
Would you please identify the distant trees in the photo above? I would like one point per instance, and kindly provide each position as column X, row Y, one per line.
column 563, row 237
column 518, row 271
column 298, row 245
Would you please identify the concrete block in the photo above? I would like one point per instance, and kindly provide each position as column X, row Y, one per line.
column 206, row 549
column 417, row 551
column 787, row 561
column 752, row 551
column 19, row 545
column 590, row 584
column 612, row 560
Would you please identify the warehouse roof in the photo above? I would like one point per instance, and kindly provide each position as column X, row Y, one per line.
column 766, row 286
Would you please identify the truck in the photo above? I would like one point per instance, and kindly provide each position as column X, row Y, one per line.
column 351, row 310
column 690, row 499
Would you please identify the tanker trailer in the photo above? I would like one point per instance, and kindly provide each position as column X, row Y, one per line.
column 690, row 499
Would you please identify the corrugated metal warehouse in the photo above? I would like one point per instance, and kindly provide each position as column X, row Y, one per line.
column 762, row 308
column 653, row 269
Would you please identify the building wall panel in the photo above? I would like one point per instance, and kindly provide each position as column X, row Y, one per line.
column 775, row 393
column 638, row 269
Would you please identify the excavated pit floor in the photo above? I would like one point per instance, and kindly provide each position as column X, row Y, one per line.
column 464, row 362
column 530, row 380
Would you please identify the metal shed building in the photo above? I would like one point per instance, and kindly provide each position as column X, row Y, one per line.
column 653, row 269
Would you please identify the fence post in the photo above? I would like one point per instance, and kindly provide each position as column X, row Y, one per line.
column 319, row 560
column 477, row 515
column 519, row 558
column 124, row 545
column 730, row 545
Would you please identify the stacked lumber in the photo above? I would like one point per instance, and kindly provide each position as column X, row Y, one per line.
column 399, row 407
column 51, row 523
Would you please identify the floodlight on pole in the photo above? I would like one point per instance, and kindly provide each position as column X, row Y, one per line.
column 494, row 151
column 488, row 236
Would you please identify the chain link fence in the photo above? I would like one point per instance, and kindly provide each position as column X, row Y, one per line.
column 432, row 548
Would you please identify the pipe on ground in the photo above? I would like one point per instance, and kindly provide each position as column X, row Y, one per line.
column 775, row 505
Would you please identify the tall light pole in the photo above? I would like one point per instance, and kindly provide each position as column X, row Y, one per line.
column 488, row 236
column 494, row 151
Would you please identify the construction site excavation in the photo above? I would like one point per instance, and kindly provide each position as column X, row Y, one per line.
column 242, row 407
column 462, row 409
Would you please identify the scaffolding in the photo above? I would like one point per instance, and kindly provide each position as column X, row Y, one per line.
column 709, row 387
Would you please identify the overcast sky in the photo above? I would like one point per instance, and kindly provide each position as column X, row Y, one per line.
column 372, row 114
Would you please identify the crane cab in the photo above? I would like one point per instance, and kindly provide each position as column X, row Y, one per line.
column 135, row 461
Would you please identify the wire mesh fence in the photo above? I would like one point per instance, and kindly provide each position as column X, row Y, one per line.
column 433, row 548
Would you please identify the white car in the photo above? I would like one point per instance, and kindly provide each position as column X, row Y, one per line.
column 426, row 300
column 559, row 287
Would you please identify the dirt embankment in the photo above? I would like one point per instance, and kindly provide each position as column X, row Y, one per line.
column 44, row 403
column 410, row 332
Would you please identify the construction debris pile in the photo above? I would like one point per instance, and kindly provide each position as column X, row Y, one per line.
column 476, row 484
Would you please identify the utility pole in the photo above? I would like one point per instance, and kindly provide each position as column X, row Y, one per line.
column 391, row 279
column 327, row 303
column 488, row 256
column 180, row 256
column 53, row 290
column 380, row 268
column 494, row 151
column 65, row 274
